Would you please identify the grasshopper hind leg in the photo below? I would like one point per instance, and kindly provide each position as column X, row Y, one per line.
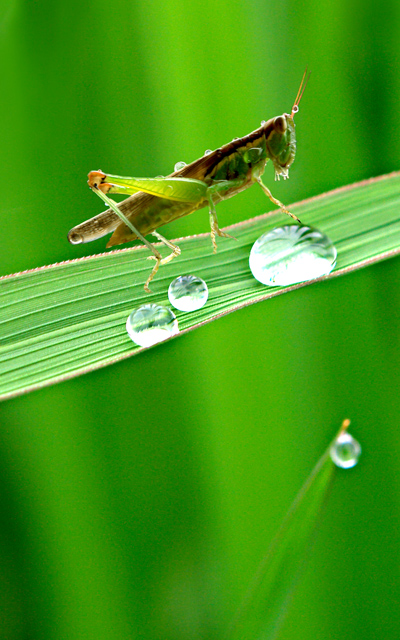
column 159, row 260
column 156, row 254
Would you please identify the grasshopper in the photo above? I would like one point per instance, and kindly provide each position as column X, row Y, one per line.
column 218, row 175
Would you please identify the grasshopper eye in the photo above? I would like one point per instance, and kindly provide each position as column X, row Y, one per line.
column 280, row 124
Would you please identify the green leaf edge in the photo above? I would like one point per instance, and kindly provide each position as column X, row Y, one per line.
column 265, row 604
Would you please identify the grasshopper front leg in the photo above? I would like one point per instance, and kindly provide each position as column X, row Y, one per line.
column 275, row 201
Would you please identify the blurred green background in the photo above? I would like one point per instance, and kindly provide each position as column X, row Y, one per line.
column 137, row 501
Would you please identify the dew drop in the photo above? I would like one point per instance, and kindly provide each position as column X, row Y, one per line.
column 290, row 254
column 188, row 293
column 179, row 165
column 345, row 451
column 151, row 323
column 207, row 152
column 263, row 122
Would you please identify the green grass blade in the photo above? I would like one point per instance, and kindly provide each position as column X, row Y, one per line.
column 263, row 609
column 59, row 321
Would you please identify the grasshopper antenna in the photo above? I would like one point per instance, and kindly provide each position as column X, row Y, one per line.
column 303, row 84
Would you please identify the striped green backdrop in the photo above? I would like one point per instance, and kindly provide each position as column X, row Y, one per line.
column 138, row 500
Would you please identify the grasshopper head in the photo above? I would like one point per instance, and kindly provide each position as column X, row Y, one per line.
column 281, row 142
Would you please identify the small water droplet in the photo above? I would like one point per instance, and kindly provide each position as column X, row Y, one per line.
column 345, row 451
column 233, row 139
column 151, row 323
column 160, row 177
column 263, row 122
column 179, row 165
column 290, row 254
column 207, row 152
column 188, row 293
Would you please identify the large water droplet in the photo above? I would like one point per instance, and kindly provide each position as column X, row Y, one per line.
column 151, row 323
column 345, row 451
column 207, row 152
column 179, row 165
column 188, row 293
column 263, row 122
column 290, row 254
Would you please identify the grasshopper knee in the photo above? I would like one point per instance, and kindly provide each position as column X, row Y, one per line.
column 97, row 181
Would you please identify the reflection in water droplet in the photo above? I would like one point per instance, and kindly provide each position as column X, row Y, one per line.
column 151, row 323
column 188, row 293
column 290, row 254
column 207, row 152
column 345, row 451
column 179, row 165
